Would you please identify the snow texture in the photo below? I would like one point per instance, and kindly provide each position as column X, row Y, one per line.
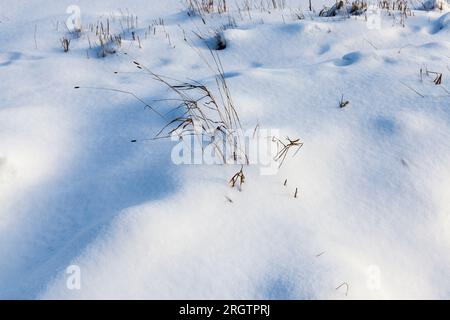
column 372, row 216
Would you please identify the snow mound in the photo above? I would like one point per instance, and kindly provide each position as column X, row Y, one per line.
column 442, row 24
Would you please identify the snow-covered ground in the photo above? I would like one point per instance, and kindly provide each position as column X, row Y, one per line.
column 372, row 214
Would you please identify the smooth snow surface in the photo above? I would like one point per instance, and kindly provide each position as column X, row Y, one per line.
column 373, row 209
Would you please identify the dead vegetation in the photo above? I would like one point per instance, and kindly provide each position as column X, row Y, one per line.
column 216, row 41
column 199, row 112
column 220, row 43
column 238, row 179
column 355, row 8
column 202, row 8
column 395, row 9
column 399, row 10
column 344, row 285
column 343, row 103
column 429, row 5
column 65, row 43
column 284, row 147
column 106, row 36
column 436, row 76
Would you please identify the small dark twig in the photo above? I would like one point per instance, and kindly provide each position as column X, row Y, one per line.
column 125, row 92
column 438, row 79
column 65, row 43
column 238, row 178
column 342, row 103
column 319, row 254
column 346, row 285
column 412, row 89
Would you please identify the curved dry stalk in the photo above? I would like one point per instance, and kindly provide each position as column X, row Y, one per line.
column 347, row 287
column 238, row 179
column 201, row 110
column 126, row 92
column 285, row 147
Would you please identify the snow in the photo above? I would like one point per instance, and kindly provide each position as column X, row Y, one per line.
column 372, row 217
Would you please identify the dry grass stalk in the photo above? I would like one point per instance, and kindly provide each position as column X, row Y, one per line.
column 355, row 8
column 438, row 79
column 343, row 103
column 202, row 113
column 202, row 7
column 347, row 287
column 437, row 76
column 65, row 43
column 284, row 147
column 238, row 179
